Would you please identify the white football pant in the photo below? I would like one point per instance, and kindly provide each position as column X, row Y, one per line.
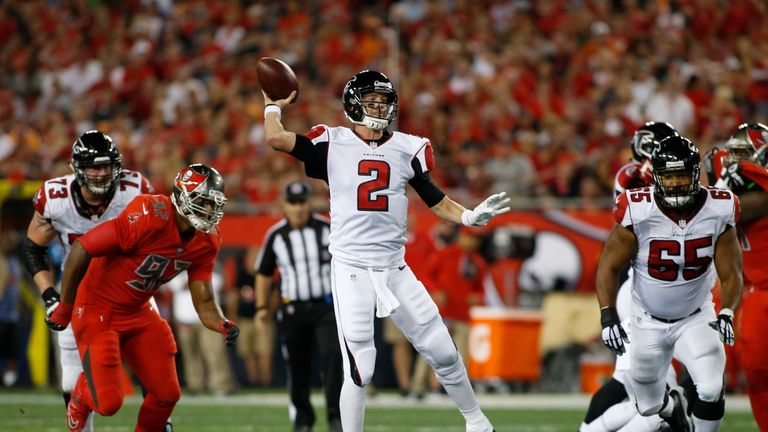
column 693, row 342
column 417, row 316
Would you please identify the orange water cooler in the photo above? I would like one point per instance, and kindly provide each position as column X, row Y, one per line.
column 504, row 343
column 595, row 371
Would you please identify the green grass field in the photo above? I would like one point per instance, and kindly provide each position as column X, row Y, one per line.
column 44, row 412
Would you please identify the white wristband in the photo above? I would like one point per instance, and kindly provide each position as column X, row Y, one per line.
column 273, row 108
column 465, row 218
column 726, row 311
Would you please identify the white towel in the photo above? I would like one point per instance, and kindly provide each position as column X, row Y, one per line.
column 386, row 302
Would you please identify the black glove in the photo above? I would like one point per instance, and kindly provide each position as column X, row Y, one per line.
column 52, row 300
column 724, row 326
column 733, row 179
column 614, row 336
column 230, row 330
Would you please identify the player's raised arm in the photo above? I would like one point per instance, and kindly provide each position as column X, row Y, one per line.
column 275, row 135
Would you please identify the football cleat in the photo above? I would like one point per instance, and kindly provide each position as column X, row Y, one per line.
column 77, row 415
column 679, row 420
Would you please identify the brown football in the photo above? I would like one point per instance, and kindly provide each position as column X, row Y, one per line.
column 276, row 78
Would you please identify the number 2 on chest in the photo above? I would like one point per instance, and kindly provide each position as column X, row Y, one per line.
column 365, row 199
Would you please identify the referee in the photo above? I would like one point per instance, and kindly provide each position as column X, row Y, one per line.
column 298, row 247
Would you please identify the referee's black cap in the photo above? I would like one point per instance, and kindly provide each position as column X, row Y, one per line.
column 297, row 191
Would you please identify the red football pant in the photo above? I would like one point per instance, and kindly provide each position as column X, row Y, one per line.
column 753, row 352
column 146, row 343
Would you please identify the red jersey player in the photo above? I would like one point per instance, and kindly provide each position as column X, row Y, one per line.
column 746, row 175
column 118, row 266
column 638, row 172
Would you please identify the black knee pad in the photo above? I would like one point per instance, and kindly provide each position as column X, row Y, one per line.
column 709, row 410
column 611, row 393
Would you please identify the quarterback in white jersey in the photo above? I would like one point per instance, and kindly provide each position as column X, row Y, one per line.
column 68, row 207
column 367, row 169
column 671, row 233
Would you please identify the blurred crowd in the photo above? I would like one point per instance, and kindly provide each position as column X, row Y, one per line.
column 538, row 98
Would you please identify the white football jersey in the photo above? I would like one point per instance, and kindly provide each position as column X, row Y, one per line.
column 369, row 207
column 673, row 271
column 55, row 201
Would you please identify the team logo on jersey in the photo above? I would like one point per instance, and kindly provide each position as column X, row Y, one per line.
column 353, row 277
column 133, row 217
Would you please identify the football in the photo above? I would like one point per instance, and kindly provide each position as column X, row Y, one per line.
column 276, row 78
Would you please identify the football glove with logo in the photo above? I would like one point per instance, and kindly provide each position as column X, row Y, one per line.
column 614, row 336
column 724, row 326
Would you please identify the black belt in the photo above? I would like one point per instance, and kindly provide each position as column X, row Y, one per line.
column 674, row 320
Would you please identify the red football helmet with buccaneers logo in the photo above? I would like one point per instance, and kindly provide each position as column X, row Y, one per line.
column 198, row 195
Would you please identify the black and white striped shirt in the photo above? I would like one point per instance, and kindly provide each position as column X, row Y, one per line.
column 302, row 257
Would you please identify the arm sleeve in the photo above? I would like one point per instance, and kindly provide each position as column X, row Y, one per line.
column 267, row 261
column 312, row 149
column 422, row 163
column 33, row 256
column 428, row 191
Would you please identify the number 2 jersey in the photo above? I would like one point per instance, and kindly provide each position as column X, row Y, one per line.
column 139, row 250
column 59, row 202
column 673, row 271
column 369, row 208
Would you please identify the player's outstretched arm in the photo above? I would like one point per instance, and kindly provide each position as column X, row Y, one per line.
column 275, row 135
column 452, row 211
column 209, row 311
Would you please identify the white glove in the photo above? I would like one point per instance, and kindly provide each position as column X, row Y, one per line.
column 724, row 326
column 493, row 206
column 614, row 335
